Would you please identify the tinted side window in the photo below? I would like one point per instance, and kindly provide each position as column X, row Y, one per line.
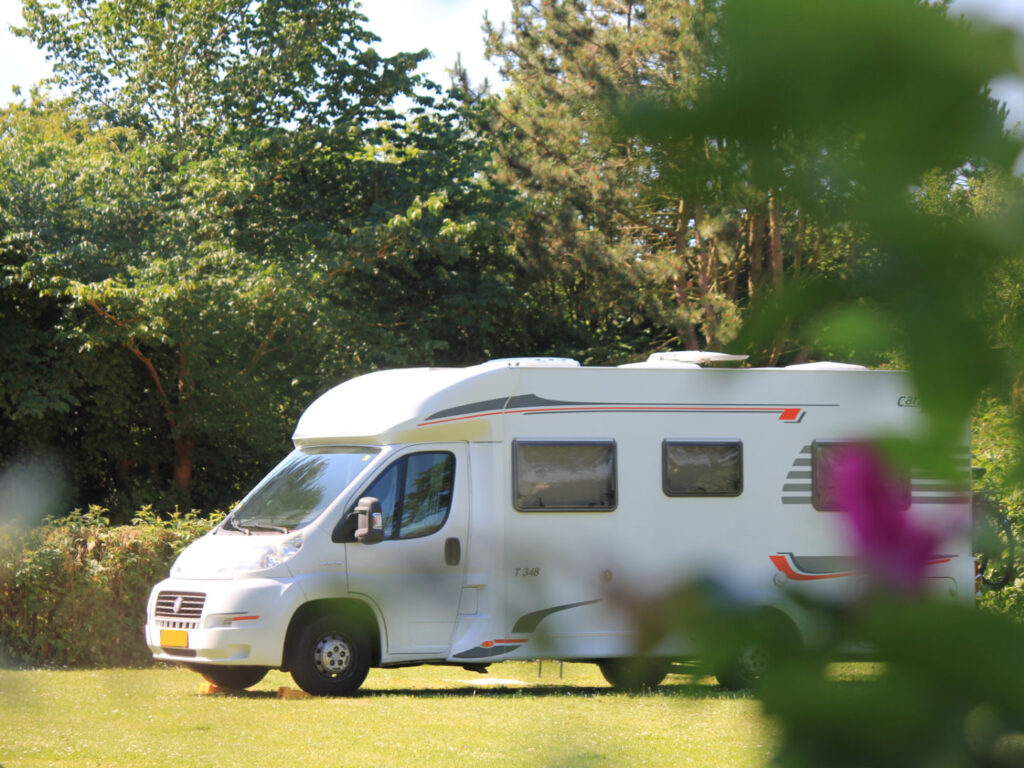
column 702, row 468
column 415, row 494
column 560, row 477
column 385, row 488
column 825, row 456
column 427, row 495
column 823, row 466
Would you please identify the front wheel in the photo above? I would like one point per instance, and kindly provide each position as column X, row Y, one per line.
column 634, row 674
column 232, row 678
column 329, row 658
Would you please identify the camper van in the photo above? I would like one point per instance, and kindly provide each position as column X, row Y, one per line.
column 519, row 508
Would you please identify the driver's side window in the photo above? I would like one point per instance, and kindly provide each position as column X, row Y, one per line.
column 415, row 494
column 385, row 488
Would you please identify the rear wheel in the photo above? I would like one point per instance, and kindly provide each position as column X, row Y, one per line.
column 752, row 660
column 232, row 678
column 769, row 637
column 329, row 657
column 634, row 674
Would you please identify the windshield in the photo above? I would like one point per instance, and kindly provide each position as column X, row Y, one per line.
column 299, row 489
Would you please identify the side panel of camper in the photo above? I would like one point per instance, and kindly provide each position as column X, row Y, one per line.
column 659, row 478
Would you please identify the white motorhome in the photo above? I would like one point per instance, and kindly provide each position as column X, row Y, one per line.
column 512, row 510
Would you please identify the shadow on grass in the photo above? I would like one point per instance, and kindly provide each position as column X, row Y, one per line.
column 672, row 689
column 687, row 681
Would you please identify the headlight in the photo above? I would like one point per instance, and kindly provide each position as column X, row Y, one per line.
column 270, row 555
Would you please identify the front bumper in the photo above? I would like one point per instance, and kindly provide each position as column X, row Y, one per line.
column 236, row 621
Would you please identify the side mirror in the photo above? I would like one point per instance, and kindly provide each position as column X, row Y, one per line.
column 370, row 525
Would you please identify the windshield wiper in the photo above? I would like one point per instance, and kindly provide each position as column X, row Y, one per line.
column 233, row 522
column 250, row 527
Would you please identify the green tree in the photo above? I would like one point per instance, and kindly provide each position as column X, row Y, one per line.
column 674, row 238
column 157, row 325
column 229, row 213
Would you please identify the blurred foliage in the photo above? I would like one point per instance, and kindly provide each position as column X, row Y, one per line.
column 73, row 591
column 950, row 693
column 996, row 443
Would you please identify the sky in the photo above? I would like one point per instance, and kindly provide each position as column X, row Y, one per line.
column 449, row 28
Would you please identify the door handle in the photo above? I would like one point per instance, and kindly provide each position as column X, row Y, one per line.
column 452, row 551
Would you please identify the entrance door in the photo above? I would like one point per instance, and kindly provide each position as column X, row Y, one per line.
column 415, row 574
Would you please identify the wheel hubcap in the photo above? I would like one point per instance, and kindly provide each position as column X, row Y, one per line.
column 754, row 661
column 332, row 655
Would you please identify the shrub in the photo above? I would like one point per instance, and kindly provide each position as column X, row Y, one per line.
column 996, row 443
column 73, row 592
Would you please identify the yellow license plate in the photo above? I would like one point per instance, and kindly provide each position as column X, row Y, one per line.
column 174, row 638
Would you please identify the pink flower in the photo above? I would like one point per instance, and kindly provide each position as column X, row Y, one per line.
column 894, row 548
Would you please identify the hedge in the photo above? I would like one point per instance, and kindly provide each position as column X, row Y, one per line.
column 73, row 592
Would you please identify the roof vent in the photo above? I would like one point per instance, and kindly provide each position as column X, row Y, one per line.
column 532, row 362
column 686, row 358
column 826, row 365
column 667, row 365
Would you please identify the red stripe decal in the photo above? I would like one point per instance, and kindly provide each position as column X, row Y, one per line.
column 785, row 414
column 512, row 641
column 783, row 565
column 781, row 562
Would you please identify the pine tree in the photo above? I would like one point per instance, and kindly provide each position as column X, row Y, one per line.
column 636, row 245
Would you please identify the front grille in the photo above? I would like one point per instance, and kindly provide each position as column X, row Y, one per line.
column 176, row 623
column 180, row 605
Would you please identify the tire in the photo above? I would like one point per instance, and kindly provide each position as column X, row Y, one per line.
column 752, row 661
column 634, row 674
column 232, row 678
column 329, row 657
column 769, row 638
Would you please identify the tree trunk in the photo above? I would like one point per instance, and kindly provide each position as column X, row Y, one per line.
column 184, row 446
column 681, row 285
column 756, row 254
column 775, row 232
column 798, row 257
column 184, row 462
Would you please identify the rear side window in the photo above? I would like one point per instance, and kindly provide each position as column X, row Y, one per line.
column 415, row 494
column 825, row 457
column 564, row 476
column 702, row 468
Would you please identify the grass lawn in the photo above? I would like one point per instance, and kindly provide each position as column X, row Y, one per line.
column 423, row 716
